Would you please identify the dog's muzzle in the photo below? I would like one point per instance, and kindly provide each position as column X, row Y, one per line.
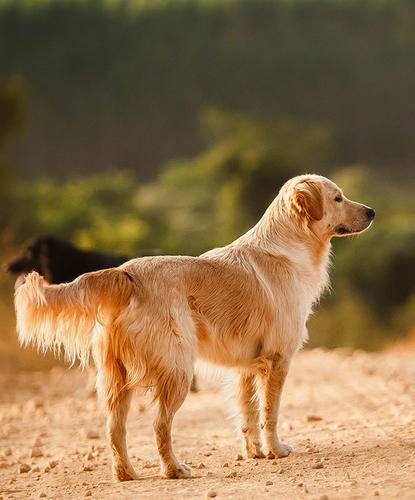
column 342, row 229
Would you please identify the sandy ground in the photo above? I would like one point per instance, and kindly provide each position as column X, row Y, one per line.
column 349, row 417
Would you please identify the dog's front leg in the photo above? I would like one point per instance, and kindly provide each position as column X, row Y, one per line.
column 248, row 403
column 273, row 379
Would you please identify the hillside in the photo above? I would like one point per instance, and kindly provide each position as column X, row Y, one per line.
column 122, row 84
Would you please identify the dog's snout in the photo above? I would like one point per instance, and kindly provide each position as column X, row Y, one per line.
column 370, row 213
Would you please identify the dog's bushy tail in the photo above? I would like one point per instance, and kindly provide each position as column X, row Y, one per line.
column 53, row 317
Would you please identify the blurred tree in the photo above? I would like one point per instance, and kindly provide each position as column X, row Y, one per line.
column 214, row 197
column 96, row 212
column 120, row 83
column 374, row 274
column 380, row 265
column 13, row 104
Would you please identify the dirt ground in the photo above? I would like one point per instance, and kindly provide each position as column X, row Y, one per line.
column 349, row 417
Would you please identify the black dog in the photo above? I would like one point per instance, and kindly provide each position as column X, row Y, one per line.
column 59, row 261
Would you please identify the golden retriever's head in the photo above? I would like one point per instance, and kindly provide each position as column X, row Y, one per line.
column 317, row 202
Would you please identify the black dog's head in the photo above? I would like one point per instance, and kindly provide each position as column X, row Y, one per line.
column 36, row 256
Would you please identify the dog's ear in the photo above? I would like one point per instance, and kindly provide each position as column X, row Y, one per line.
column 308, row 200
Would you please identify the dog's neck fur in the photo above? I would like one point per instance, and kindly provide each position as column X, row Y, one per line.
column 282, row 234
column 278, row 234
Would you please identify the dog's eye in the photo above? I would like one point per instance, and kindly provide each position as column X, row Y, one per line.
column 338, row 198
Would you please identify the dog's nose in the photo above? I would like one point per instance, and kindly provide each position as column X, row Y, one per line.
column 370, row 213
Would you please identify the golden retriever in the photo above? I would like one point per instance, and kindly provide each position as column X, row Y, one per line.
column 243, row 306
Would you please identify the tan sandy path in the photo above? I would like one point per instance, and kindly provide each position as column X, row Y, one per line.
column 363, row 446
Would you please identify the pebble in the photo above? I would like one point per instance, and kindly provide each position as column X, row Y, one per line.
column 90, row 434
column 317, row 466
column 201, row 466
column 207, row 454
column 24, row 468
column 87, row 468
column 211, row 494
column 313, row 418
column 52, row 464
column 269, row 483
column 34, row 404
column 36, row 469
column 239, row 457
column 232, row 474
column 225, row 464
column 88, row 493
column 376, row 493
column 42, row 495
column 36, row 452
column 7, row 452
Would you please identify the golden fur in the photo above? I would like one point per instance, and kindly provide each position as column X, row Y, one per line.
column 243, row 306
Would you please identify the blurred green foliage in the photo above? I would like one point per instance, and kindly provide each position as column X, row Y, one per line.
column 208, row 200
column 214, row 197
column 373, row 273
column 94, row 212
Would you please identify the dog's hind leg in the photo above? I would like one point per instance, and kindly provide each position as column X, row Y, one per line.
column 111, row 388
column 273, row 378
column 122, row 468
column 171, row 391
column 248, row 403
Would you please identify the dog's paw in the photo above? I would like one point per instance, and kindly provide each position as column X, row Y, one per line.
column 124, row 473
column 255, row 454
column 280, row 451
column 181, row 471
column 253, row 449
